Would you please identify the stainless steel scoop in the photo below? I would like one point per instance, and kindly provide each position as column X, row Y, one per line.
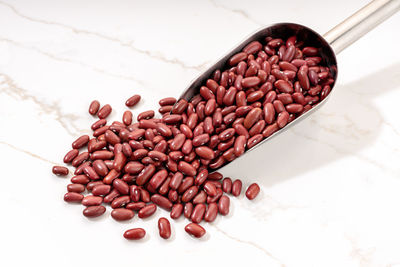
column 330, row 44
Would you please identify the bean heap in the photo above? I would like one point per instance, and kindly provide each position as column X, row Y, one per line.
column 165, row 162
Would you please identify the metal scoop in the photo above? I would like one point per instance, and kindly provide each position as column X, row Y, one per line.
column 330, row 44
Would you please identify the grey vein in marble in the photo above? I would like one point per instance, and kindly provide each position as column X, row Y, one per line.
column 239, row 12
column 266, row 252
column 9, row 87
column 82, row 64
column 155, row 55
column 28, row 153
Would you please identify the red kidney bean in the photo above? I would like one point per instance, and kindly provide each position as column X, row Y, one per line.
column 80, row 179
column 132, row 101
column 145, row 115
column 100, row 167
column 254, row 140
column 234, row 60
column 215, row 198
column 111, row 196
column 186, row 168
column 76, row 188
column 80, row 142
column 104, row 111
column 198, row 213
column 165, row 109
column 101, row 190
column 71, row 155
column 212, row 85
column 257, row 128
column 229, row 97
column 205, row 152
column 227, row 185
column 223, row 205
column 195, row 230
column 282, row 119
column 250, row 82
column 161, row 201
column 210, row 189
column 144, row 195
column 73, row 197
column 189, row 193
column 147, row 211
column 252, row 117
column 122, row 214
column 255, row 96
column 283, row 86
column 78, row 160
column 90, row 172
column 145, row 174
column 94, row 211
column 294, row 108
column 206, row 93
column 94, row 107
column 188, row 210
column 92, row 200
column 252, row 191
column 60, row 170
column 201, row 197
column 164, row 228
column 158, row 178
column 127, row 117
column 176, row 211
column 135, row 234
column 236, row 187
column 167, row 101
column 180, row 107
column 252, row 47
column 90, row 186
column 121, row 186
column 120, row 202
column 135, row 206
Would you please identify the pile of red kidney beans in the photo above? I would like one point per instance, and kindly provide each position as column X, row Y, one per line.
column 167, row 162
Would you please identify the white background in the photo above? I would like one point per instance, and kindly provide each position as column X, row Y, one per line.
column 330, row 185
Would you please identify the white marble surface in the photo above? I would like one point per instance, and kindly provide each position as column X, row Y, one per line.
column 330, row 185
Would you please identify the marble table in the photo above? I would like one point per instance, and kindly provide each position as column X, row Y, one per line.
column 330, row 185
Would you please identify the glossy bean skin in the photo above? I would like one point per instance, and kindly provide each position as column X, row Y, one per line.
column 198, row 213
column 60, row 170
column 92, row 200
column 252, row 191
column 104, row 111
column 94, row 107
column 122, row 214
column 211, row 212
column 73, row 197
column 236, row 188
column 195, row 230
column 80, row 142
column 176, row 211
column 164, row 228
column 188, row 210
column 71, row 155
column 161, row 201
column 76, row 188
column 167, row 101
column 135, row 234
column 223, row 205
column 147, row 211
column 94, row 211
column 132, row 101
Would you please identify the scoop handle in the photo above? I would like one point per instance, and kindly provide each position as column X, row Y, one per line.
column 361, row 22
